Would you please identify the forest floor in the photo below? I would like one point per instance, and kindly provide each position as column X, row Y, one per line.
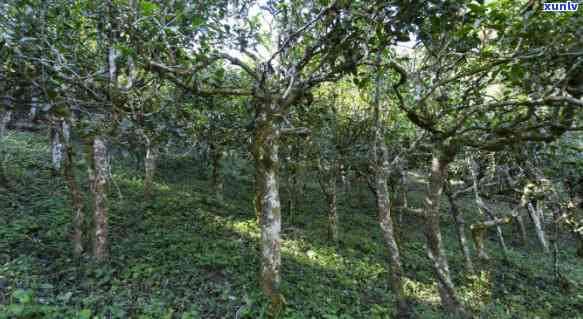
column 185, row 254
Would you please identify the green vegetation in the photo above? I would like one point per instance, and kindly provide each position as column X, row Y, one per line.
column 186, row 255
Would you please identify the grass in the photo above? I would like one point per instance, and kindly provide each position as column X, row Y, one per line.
column 187, row 255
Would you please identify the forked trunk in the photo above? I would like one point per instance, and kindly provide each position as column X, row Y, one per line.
column 76, row 194
column 538, row 227
column 100, row 218
column 440, row 161
column 268, row 203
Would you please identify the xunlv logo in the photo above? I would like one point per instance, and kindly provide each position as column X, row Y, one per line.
column 560, row 6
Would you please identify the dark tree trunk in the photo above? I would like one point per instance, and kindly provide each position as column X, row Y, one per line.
column 440, row 160
column 76, row 193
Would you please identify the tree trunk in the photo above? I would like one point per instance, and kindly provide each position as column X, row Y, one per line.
column 522, row 229
column 461, row 232
column 150, row 160
column 579, row 252
column 330, row 194
column 440, row 161
column 76, row 193
column 56, row 147
column 217, row 178
column 99, row 198
column 540, row 233
column 265, row 152
column 485, row 210
column 388, row 231
column 5, row 117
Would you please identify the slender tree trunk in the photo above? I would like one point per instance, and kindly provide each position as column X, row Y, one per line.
column 449, row 300
column 330, row 194
column 388, row 231
column 265, row 151
column 461, row 232
column 381, row 169
column 76, row 193
column 579, row 252
column 5, row 117
column 56, row 147
column 485, row 210
column 540, row 233
column 150, row 161
column 217, row 178
column 100, row 218
column 522, row 229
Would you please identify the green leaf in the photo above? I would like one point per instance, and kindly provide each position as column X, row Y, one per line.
column 148, row 8
column 22, row 296
column 84, row 314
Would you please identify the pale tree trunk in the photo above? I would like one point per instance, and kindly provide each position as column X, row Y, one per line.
column 100, row 218
column 217, row 155
column 56, row 147
column 449, row 300
column 388, row 231
column 522, row 229
column 538, row 227
column 76, row 193
column 381, row 168
column 265, row 152
column 150, row 161
column 461, row 231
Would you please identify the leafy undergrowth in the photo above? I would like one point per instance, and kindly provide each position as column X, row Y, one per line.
column 187, row 255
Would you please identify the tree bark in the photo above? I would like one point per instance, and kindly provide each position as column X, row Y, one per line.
column 540, row 233
column 217, row 178
column 441, row 158
column 76, row 193
column 381, row 170
column 484, row 211
column 388, row 231
column 522, row 229
column 150, row 161
column 56, row 147
column 100, row 218
column 461, row 232
column 265, row 152
column 5, row 117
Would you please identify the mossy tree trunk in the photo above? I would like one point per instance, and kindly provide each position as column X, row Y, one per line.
column 76, row 194
column 98, row 178
column 265, row 152
column 441, row 157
